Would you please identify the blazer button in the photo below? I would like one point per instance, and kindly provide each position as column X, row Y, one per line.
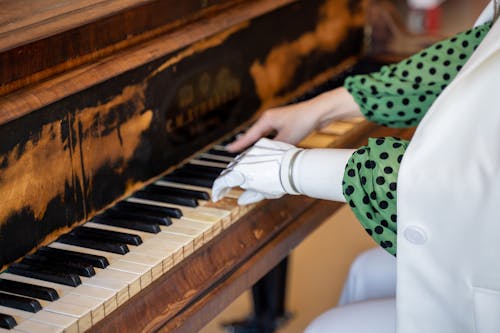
column 415, row 235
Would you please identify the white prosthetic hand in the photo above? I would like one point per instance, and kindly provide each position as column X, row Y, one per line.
column 270, row 169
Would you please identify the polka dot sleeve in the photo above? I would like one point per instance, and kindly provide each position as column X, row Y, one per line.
column 370, row 182
column 399, row 95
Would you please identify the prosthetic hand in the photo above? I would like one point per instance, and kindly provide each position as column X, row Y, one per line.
column 270, row 169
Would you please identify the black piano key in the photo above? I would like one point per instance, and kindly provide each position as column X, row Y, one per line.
column 20, row 302
column 184, row 172
column 108, row 235
column 208, row 159
column 152, row 228
column 189, row 180
column 203, row 169
column 176, row 200
column 125, row 214
column 67, row 267
column 7, row 321
column 39, row 273
column 230, row 139
column 201, row 195
column 149, row 210
column 106, row 246
column 222, row 153
column 65, row 255
column 30, row 290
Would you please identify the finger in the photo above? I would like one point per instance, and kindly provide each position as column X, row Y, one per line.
column 250, row 197
column 223, row 184
column 261, row 128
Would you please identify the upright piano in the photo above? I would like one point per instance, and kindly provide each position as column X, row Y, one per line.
column 113, row 120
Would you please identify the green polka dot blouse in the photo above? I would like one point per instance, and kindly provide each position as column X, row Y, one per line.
column 398, row 95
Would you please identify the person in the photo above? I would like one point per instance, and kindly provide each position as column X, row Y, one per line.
column 398, row 95
column 445, row 188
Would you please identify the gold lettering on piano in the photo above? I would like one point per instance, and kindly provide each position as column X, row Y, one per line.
column 201, row 95
column 186, row 96
column 280, row 65
column 204, row 83
column 72, row 158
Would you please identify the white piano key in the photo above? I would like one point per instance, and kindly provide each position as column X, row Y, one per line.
column 131, row 263
column 227, row 204
column 197, row 231
column 124, row 288
column 136, row 255
column 219, row 147
column 183, row 232
column 125, row 284
column 216, row 157
column 19, row 315
column 216, row 217
column 218, row 213
column 81, row 313
column 95, row 305
column 30, row 326
column 68, row 324
column 42, row 321
column 154, row 263
column 175, row 250
column 234, row 193
column 172, row 238
column 106, row 296
column 208, row 163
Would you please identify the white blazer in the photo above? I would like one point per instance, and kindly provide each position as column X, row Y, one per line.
column 448, row 264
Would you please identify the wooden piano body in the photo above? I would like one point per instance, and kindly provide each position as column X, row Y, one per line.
column 100, row 98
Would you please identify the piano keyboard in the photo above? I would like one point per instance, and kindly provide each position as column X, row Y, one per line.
column 74, row 282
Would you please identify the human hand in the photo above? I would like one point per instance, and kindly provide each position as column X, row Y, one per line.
column 294, row 122
column 259, row 171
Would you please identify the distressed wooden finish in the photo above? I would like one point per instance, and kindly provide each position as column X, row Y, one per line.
column 77, row 143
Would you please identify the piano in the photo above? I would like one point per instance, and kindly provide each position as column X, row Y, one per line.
column 113, row 120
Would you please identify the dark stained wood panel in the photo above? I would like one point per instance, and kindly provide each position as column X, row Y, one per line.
column 95, row 135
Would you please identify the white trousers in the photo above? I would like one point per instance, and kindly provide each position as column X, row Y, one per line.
column 367, row 303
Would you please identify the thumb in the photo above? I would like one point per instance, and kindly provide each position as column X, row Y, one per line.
column 224, row 183
column 250, row 197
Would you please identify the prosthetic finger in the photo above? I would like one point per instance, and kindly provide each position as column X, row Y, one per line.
column 225, row 182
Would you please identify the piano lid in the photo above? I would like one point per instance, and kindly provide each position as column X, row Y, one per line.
column 41, row 38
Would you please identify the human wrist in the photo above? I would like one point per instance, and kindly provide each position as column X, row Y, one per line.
column 336, row 104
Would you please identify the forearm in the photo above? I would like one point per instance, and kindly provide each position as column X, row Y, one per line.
column 336, row 104
column 318, row 173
